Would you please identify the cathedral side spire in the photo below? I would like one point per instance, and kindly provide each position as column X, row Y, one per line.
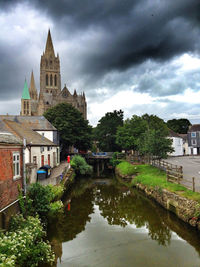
column 25, row 94
column 49, row 45
column 25, row 101
column 32, row 88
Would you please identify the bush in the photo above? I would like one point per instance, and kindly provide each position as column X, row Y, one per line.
column 23, row 245
column 80, row 166
column 56, row 207
column 41, row 197
column 114, row 161
column 57, row 191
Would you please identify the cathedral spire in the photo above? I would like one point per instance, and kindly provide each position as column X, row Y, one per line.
column 25, row 94
column 49, row 45
column 32, row 88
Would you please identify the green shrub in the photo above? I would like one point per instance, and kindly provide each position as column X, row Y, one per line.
column 56, row 207
column 80, row 166
column 57, row 191
column 41, row 197
column 23, row 245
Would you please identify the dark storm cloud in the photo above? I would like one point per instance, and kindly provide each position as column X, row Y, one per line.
column 132, row 31
column 108, row 45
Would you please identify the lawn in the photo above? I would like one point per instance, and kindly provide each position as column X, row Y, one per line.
column 153, row 177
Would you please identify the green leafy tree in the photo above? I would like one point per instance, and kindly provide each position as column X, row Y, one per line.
column 72, row 127
column 147, row 134
column 180, row 126
column 155, row 139
column 128, row 134
column 80, row 165
column 106, row 130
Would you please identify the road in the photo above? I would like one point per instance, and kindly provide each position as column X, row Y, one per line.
column 191, row 168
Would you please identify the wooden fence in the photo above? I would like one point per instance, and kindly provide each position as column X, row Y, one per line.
column 174, row 173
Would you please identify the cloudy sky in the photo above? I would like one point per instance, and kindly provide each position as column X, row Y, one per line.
column 141, row 56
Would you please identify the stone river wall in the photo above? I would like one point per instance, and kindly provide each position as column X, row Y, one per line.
column 185, row 209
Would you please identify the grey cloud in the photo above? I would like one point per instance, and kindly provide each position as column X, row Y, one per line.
column 132, row 31
column 114, row 44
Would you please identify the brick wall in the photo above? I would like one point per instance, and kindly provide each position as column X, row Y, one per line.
column 8, row 186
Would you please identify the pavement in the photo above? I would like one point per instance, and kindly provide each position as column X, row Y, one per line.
column 191, row 168
column 56, row 173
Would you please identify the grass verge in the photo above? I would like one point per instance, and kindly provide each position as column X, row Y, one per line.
column 155, row 178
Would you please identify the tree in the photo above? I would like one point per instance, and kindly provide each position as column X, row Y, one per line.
column 128, row 134
column 72, row 127
column 105, row 132
column 80, row 166
column 180, row 126
column 146, row 134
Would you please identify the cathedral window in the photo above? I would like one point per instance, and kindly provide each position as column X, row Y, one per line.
column 47, row 79
column 55, row 80
column 51, row 80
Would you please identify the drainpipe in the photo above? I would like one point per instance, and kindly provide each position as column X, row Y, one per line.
column 24, row 166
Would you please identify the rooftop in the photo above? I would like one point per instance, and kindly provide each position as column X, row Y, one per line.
column 32, row 122
column 194, row 128
column 32, row 137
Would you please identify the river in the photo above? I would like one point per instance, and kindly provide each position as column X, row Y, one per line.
column 108, row 224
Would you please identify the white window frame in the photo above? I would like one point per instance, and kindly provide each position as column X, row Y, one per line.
column 193, row 134
column 16, row 165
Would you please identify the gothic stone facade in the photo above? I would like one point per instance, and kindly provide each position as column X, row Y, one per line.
column 50, row 87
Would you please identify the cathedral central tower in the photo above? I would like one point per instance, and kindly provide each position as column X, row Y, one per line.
column 50, row 87
column 50, row 81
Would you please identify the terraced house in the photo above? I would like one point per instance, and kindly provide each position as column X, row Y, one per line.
column 194, row 139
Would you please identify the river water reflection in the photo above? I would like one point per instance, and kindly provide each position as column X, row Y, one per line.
column 107, row 224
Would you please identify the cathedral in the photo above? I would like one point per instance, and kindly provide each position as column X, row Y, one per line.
column 50, row 87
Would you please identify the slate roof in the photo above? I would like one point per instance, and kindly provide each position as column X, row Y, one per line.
column 6, row 136
column 184, row 136
column 173, row 134
column 33, row 122
column 32, row 137
column 194, row 128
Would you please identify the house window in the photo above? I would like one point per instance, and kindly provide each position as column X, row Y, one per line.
column 34, row 159
column 41, row 149
column 193, row 134
column 16, row 165
column 48, row 148
column 194, row 142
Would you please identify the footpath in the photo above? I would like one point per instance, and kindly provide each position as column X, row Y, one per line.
column 56, row 174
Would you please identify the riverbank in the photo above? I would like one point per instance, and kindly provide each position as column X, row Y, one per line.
column 176, row 198
column 28, row 229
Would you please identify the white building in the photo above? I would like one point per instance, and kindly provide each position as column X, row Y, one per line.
column 42, row 142
column 177, row 144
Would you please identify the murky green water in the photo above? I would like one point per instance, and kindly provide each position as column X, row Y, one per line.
column 111, row 225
